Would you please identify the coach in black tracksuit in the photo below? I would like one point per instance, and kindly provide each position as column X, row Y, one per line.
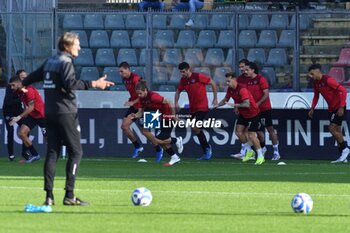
column 61, row 113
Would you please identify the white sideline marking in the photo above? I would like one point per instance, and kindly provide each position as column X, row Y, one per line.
column 189, row 175
column 228, row 161
column 190, row 192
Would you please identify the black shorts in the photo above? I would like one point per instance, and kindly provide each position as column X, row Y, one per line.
column 164, row 133
column 200, row 116
column 252, row 124
column 32, row 122
column 130, row 110
column 335, row 119
column 266, row 118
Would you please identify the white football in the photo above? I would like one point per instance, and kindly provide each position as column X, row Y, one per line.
column 141, row 197
column 302, row 203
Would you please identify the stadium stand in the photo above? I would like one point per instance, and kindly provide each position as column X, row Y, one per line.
column 159, row 21
column 257, row 55
column 206, row 39
column 127, row 55
column 99, row 39
column 89, row 73
column 112, row 74
column 194, row 56
column 344, row 58
column 164, row 39
column 258, row 22
column 135, row 22
column 114, row 22
column 279, row 21
column 72, row 21
column 186, row 39
column 214, row 57
column 120, row 39
column 225, row 39
column 172, row 57
column 267, row 39
column 105, row 57
column 287, row 39
column 338, row 73
column 93, row 22
column 143, row 57
column 85, row 58
column 82, row 38
column 219, row 22
column 247, row 39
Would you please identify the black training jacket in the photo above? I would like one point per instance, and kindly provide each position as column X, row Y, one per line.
column 12, row 105
column 58, row 75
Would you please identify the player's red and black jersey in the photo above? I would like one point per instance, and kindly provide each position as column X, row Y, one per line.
column 332, row 92
column 153, row 102
column 195, row 86
column 130, row 84
column 256, row 86
column 242, row 80
column 32, row 94
column 239, row 95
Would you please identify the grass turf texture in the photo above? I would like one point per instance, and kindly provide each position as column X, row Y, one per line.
column 210, row 196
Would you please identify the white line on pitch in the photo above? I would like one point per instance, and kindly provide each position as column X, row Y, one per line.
column 190, row 192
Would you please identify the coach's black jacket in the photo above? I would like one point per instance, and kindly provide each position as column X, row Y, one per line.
column 12, row 105
column 58, row 75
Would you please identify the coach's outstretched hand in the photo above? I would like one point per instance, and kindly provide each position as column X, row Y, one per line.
column 102, row 83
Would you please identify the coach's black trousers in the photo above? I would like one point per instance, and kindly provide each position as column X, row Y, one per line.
column 62, row 129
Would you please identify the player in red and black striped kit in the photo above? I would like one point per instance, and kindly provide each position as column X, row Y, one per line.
column 33, row 114
column 195, row 86
column 152, row 101
column 259, row 87
column 335, row 96
column 248, row 113
column 130, row 81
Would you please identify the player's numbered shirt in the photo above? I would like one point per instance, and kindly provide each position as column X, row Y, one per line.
column 32, row 94
column 332, row 92
column 256, row 86
column 130, row 84
column 153, row 102
column 195, row 86
column 239, row 95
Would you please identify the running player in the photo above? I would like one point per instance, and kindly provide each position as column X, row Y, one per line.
column 259, row 87
column 130, row 81
column 152, row 101
column 335, row 96
column 32, row 115
column 195, row 86
column 248, row 114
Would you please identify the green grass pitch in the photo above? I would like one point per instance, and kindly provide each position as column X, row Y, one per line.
column 221, row 195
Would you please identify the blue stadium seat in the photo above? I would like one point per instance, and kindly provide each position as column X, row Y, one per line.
column 138, row 39
column 214, row 57
column 172, row 57
column 206, row 39
column 105, row 57
column 128, row 55
column 112, row 74
column 93, row 22
column 256, row 55
column 219, row 21
column 164, row 39
column 140, row 70
column 270, row 74
column 219, row 77
column 120, row 39
column 174, row 76
column 243, row 21
column 186, row 39
column 228, row 60
column 118, row 88
column 203, row 70
column 82, row 38
column 143, row 57
column 135, row 22
column 267, row 39
column 89, row 73
column 304, row 22
column 159, row 21
column 160, row 75
column 194, row 57
column 287, row 39
column 85, row 58
column 226, row 39
column 279, row 21
column 259, row 22
column 201, row 21
column 247, row 39
column 99, row 39
column 167, row 88
column 177, row 21
column 113, row 22
column 72, row 21
column 277, row 57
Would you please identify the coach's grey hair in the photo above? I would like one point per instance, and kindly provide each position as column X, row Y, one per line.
column 66, row 41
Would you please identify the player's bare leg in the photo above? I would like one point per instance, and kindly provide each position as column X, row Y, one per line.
column 127, row 121
column 24, row 135
column 338, row 135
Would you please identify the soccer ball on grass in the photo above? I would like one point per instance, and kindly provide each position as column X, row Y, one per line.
column 141, row 197
column 302, row 203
